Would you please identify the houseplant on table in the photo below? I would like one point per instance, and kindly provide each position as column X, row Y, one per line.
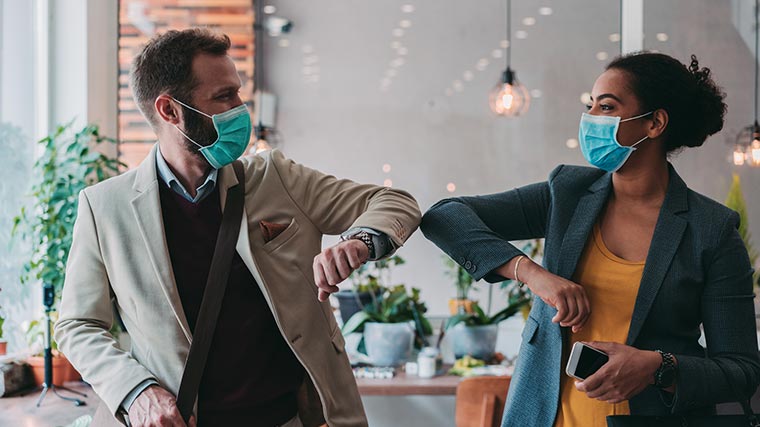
column 392, row 325
column 62, row 369
column 69, row 162
column 369, row 281
column 463, row 282
column 475, row 333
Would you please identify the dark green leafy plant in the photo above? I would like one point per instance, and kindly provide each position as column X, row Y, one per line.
column 394, row 305
column 2, row 320
column 68, row 164
column 735, row 201
column 480, row 318
column 534, row 249
column 462, row 279
column 375, row 276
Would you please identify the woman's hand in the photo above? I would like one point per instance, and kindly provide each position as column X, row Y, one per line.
column 628, row 372
column 567, row 297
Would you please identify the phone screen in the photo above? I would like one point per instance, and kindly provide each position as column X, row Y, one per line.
column 589, row 362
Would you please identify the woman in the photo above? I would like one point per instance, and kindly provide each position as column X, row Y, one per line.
column 634, row 260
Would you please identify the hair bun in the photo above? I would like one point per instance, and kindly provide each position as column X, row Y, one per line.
column 709, row 108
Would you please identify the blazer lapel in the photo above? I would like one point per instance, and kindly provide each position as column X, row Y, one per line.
column 586, row 212
column 667, row 237
column 146, row 206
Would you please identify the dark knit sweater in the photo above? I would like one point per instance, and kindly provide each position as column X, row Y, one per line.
column 251, row 377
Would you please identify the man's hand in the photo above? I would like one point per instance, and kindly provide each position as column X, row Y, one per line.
column 336, row 263
column 626, row 374
column 156, row 407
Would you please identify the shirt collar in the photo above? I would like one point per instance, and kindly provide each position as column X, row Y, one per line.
column 166, row 175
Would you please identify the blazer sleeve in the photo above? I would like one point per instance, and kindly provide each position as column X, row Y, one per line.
column 731, row 370
column 335, row 205
column 475, row 231
column 86, row 316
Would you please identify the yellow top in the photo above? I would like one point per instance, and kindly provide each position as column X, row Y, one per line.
column 611, row 284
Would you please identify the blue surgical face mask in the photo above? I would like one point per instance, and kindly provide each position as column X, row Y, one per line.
column 598, row 140
column 233, row 129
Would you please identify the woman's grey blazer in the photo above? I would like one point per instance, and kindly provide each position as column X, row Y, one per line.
column 697, row 272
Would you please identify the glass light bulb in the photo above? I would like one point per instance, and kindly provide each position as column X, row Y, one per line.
column 509, row 99
column 754, row 153
column 738, row 156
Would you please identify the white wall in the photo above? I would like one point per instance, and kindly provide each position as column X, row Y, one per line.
column 346, row 125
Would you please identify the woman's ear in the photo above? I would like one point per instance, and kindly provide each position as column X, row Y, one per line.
column 659, row 123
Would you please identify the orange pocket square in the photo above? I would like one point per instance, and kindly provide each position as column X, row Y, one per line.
column 270, row 230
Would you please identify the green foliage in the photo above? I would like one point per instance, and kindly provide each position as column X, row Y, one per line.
column 393, row 305
column 2, row 320
column 35, row 335
column 735, row 201
column 480, row 318
column 534, row 249
column 69, row 163
column 462, row 279
column 375, row 276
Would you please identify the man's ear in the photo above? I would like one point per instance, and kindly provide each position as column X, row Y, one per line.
column 168, row 109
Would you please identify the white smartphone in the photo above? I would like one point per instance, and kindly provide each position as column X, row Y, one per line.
column 584, row 361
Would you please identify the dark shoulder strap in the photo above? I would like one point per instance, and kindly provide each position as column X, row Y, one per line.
column 216, row 284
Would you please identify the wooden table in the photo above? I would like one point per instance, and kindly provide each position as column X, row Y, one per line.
column 403, row 385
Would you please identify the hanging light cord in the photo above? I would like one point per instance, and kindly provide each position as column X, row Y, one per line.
column 509, row 32
column 258, row 55
column 756, row 59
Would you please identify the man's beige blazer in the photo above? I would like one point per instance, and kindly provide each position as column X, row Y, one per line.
column 119, row 253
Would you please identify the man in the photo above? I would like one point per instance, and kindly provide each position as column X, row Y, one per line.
column 145, row 240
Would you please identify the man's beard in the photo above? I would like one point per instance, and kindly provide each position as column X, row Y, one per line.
column 200, row 128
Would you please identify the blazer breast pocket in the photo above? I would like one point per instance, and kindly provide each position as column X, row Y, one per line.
column 283, row 237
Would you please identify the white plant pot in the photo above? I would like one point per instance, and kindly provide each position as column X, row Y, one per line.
column 389, row 344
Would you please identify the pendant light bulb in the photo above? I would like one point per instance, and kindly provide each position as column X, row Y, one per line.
column 509, row 98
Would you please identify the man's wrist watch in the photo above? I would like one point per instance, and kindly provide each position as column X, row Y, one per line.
column 364, row 237
column 665, row 375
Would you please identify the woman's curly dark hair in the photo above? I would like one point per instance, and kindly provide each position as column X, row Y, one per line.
column 693, row 101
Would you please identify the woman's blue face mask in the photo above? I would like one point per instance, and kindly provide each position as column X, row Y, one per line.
column 597, row 137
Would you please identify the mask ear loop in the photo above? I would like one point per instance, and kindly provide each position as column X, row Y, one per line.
column 180, row 130
column 197, row 111
column 633, row 147
column 621, row 121
column 190, row 139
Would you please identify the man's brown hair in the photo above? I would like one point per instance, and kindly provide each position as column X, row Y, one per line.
column 165, row 66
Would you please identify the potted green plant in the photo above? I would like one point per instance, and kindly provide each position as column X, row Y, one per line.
column 368, row 281
column 392, row 325
column 3, row 342
column 463, row 283
column 69, row 163
column 63, row 371
column 475, row 333
column 534, row 249
column 735, row 201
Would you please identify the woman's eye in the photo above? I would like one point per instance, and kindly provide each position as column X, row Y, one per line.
column 606, row 107
column 588, row 107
